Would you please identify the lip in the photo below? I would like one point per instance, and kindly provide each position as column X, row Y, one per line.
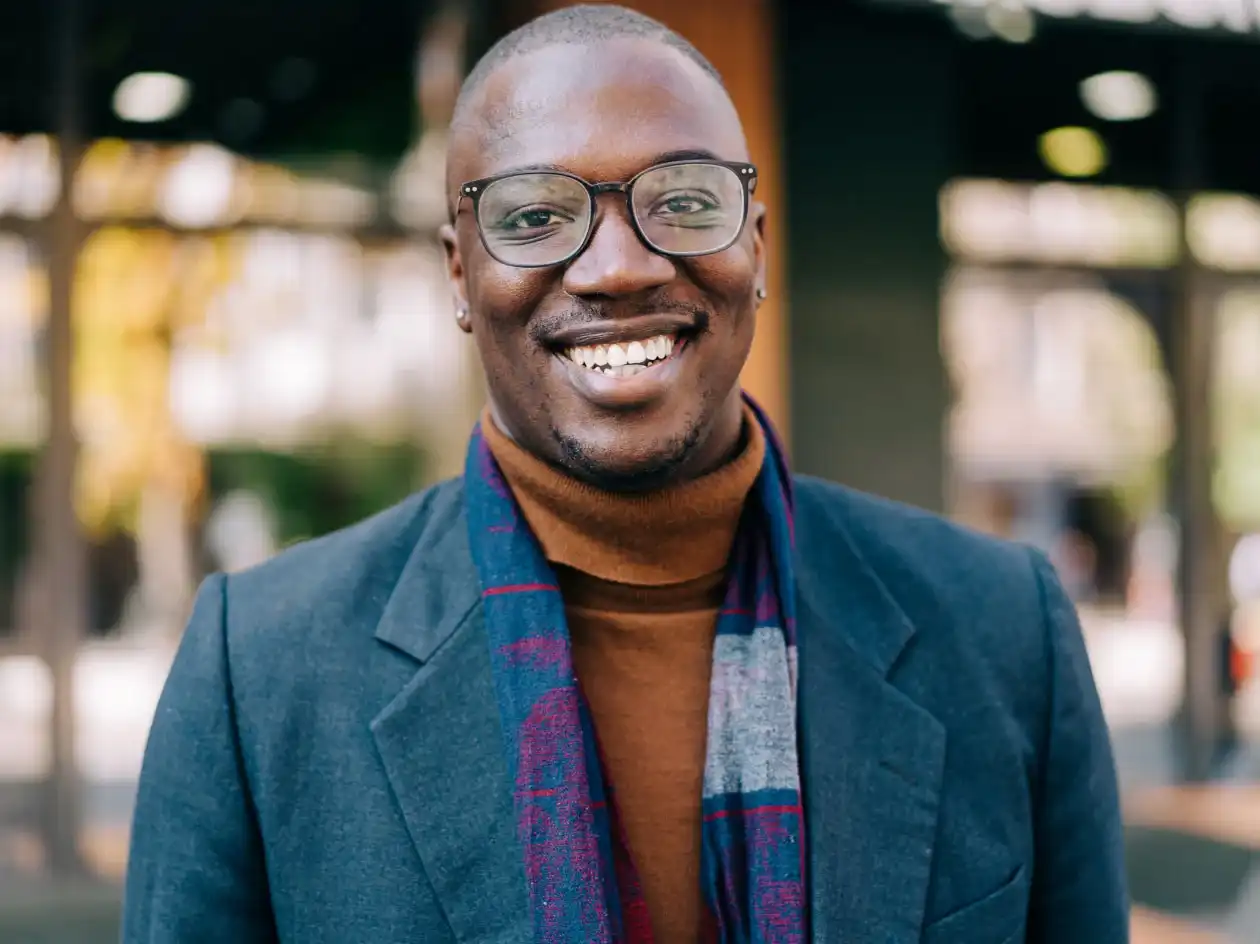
column 621, row 330
column 626, row 393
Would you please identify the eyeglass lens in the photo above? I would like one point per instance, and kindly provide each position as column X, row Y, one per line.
column 540, row 219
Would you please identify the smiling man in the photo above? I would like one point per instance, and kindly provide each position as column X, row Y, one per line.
column 627, row 680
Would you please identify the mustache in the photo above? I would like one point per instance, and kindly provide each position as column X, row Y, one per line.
column 579, row 313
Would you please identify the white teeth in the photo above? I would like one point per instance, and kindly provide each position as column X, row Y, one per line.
column 626, row 370
column 623, row 360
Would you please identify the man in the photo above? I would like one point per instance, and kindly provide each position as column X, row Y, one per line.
column 627, row 680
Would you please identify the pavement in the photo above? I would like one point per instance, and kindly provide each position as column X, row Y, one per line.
column 1193, row 853
column 34, row 911
column 1193, row 860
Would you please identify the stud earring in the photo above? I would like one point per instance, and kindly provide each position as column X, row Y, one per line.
column 761, row 294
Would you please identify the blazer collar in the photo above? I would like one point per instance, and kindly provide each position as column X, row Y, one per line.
column 437, row 589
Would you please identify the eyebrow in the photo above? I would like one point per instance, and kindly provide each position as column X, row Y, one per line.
column 686, row 154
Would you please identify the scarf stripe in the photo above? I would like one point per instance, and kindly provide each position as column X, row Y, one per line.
column 583, row 885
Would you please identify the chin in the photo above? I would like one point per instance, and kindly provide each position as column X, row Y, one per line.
column 612, row 467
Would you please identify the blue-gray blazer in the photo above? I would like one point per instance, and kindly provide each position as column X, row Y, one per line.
column 326, row 764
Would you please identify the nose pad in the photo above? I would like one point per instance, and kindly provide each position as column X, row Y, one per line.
column 612, row 218
column 616, row 261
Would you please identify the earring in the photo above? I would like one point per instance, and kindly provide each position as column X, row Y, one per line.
column 761, row 294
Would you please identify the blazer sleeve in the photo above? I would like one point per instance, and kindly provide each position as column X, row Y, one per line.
column 196, row 870
column 1079, row 893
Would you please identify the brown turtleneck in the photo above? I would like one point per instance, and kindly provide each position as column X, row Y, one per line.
column 642, row 578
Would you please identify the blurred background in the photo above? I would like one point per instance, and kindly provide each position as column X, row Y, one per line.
column 1016, row 279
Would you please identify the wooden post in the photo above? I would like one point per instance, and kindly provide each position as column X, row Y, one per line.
column 59, row 552
column 1202, row 585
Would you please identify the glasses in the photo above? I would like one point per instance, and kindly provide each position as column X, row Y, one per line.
column 682, row 208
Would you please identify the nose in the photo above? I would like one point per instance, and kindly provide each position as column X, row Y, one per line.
column 616, row 262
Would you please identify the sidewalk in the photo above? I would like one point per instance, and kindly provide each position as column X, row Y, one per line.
column 1151, row 927
column 89, row 915
column 1195, row 879
column 1194, row 855
column 39, row 912
column 1195, row 852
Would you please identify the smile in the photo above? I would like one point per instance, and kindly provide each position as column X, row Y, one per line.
column 630, row 363
column 623, row 359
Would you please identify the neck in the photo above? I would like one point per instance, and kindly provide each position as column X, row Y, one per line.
column 648, row 537
column 724, row 442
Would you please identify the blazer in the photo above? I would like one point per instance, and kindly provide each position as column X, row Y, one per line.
column 326, row 764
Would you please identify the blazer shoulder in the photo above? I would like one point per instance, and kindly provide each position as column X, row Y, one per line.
column 941, row 573
column 882, row 526
column 345, row 573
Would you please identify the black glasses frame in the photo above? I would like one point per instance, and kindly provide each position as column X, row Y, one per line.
column 474, row 189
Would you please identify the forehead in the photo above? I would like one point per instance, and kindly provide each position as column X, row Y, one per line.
column 602, row 111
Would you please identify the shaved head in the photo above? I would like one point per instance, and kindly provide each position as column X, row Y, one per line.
column 479, row 124
column 580, row 25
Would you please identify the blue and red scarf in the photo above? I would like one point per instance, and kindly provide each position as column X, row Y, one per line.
column 583, row 886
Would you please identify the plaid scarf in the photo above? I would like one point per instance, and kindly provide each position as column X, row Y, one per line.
column 583, row 886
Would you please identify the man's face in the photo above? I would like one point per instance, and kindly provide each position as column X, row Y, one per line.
column 606, row 112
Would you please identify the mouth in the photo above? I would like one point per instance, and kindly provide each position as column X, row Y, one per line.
column 629, row 363
column 627, row 347
column 625, row 358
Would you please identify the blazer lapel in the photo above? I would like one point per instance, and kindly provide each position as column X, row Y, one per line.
column 872, row 759
column 441, row 740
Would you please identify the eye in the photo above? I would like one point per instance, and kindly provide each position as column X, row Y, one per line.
column 530, row 219
column 686, row 203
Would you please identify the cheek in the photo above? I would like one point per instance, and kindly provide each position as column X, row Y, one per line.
column 728, row 279
column 504, row 293
column 502, row 300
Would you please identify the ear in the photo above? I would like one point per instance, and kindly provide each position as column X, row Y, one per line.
column 757, row 217
column 456, row 275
